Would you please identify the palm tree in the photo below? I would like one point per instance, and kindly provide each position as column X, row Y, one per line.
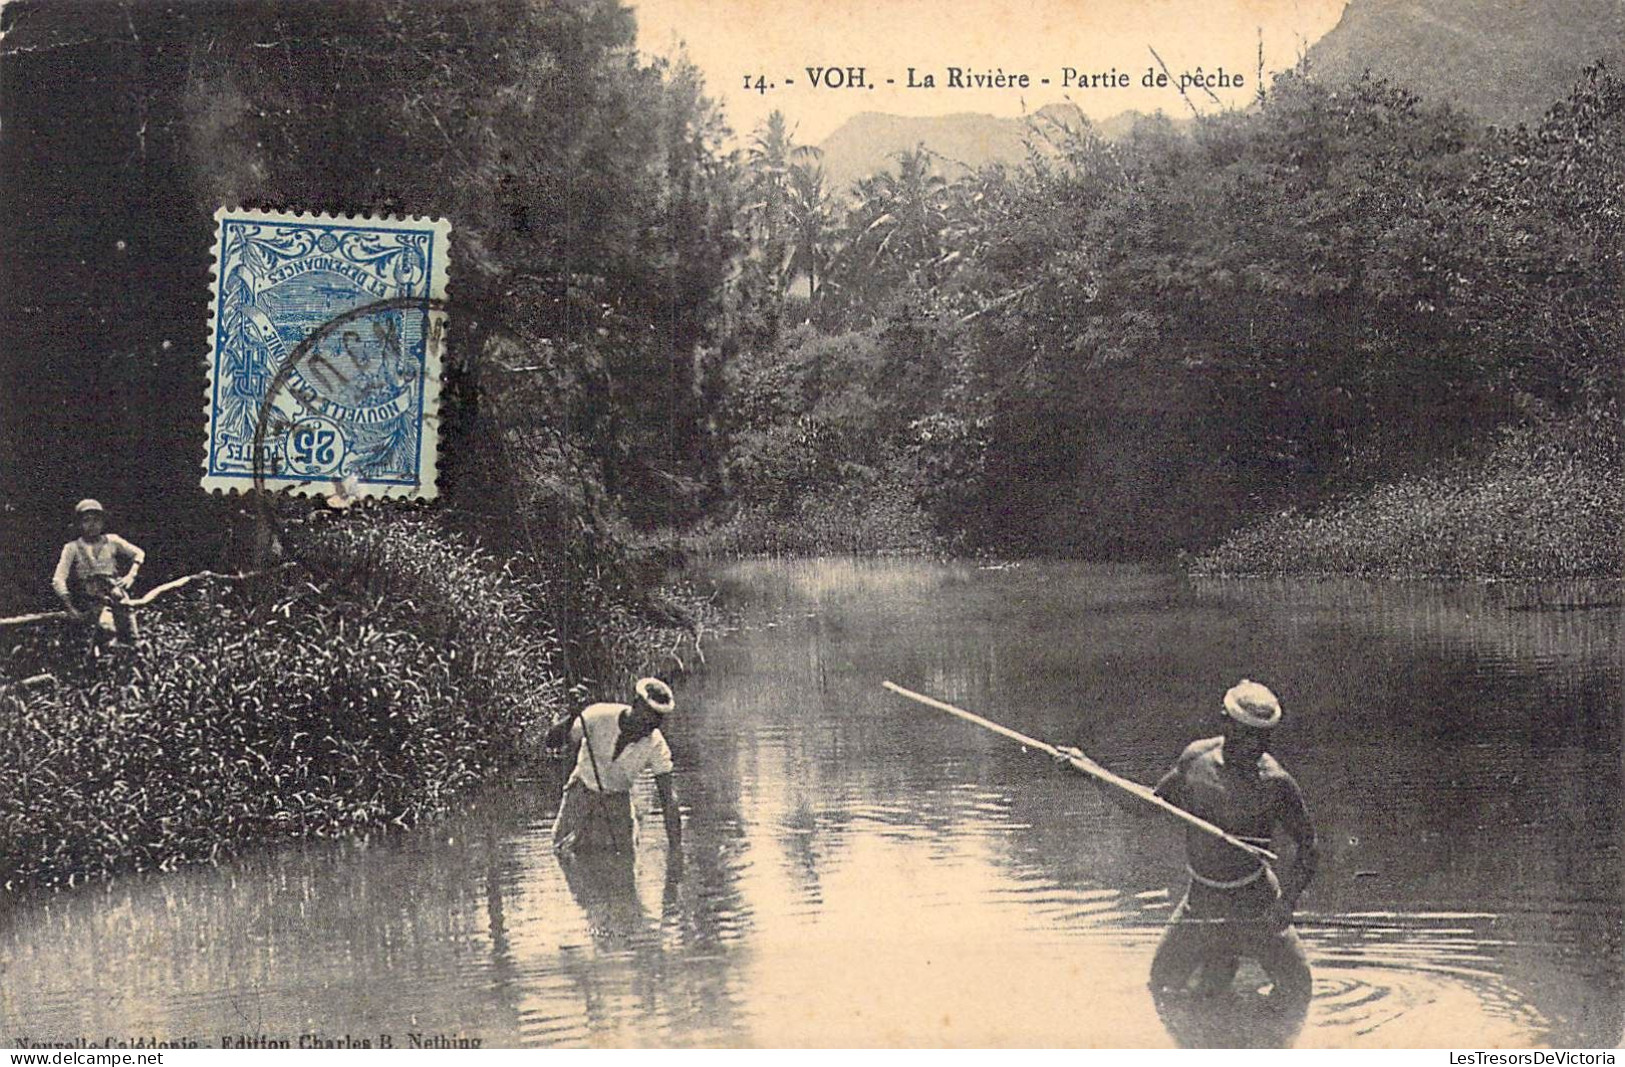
column 809, row 215
column 895, row 229
column 786, row 209
column 769, row 159
column 903, row 215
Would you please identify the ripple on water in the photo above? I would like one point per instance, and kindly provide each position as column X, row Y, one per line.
column 1395, row 1005
column 1402, row 981
column 1413, row 981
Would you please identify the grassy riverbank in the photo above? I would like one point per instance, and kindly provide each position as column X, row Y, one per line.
column 1546, row 503
column 391, row 669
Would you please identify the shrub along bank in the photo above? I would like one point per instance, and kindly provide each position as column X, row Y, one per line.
column 391, row 669
column 1544, row 503
column 858, row 518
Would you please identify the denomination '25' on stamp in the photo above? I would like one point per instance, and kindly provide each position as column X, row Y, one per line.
column 325, row 348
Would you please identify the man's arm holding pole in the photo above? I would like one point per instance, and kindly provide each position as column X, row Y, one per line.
column 1069, row 758
column 1089, row 767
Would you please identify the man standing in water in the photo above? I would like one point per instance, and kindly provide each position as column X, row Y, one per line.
column 1236, row 905
column 617, row 743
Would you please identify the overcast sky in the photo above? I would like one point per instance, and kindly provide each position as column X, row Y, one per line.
column 779, row 39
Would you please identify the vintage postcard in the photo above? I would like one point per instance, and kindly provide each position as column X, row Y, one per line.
column 1077, row 524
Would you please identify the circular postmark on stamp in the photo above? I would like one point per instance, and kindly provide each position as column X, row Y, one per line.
column 347, row 407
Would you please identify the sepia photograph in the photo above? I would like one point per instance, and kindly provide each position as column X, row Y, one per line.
column 815, row 524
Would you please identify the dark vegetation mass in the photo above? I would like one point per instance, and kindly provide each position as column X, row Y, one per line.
column 1345, row 329
column 1130, row 349
column 390, row 670
column 393, row 656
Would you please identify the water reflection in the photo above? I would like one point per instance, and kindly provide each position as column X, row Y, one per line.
column 860, row 872
column 1243, row 1017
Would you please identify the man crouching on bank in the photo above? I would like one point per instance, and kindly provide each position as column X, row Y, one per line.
column 617, row 743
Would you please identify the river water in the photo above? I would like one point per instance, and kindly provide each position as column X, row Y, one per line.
column 864, row 871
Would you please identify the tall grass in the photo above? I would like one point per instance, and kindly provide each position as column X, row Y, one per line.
column 1546, row 502
column 396, row 667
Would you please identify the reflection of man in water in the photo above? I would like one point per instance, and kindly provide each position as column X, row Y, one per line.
column 1236, row 906
column 617, row 743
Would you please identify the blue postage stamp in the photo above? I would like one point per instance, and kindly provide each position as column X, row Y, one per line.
column 324, row 356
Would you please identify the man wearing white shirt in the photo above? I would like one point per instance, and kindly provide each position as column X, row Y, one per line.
column 617, row 743
column 87, row 577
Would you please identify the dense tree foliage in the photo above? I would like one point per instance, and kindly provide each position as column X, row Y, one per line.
column 400, row 654
column 592, row 202
column 1127, row 348
column 593, row 216
column 1118, row 348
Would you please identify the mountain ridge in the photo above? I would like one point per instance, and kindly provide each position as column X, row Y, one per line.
column 1503, row 63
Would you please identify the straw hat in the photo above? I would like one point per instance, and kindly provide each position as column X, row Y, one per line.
column 1253, row 705
column 656, row 694
column 86, row 505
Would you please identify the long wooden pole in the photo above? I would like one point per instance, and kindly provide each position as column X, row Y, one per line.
column 1092, row 769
